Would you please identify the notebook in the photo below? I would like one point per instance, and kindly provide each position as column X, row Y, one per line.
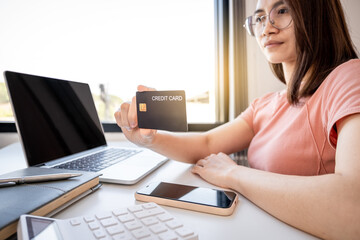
column 41, row 198
column 59, row 127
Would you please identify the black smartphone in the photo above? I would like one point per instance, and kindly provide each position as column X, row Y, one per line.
column 200, row 199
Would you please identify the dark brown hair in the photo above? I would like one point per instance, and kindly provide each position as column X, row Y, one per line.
column 322, row 43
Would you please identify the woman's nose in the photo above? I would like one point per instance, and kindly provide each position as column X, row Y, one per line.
column 268, row 28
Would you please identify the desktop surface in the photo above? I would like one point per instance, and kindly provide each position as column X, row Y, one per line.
column 247, row 222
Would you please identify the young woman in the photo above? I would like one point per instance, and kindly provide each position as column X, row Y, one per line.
column 303, row 142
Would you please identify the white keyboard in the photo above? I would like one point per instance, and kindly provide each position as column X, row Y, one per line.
column 145, row 221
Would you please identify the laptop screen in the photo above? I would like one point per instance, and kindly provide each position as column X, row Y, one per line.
column 55, row 118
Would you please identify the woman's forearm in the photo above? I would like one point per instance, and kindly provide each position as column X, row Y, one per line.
column 187, row 147
column 190, row 147
column 326, row 206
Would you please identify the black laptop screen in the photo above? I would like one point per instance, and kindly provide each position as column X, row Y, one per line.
column 55, row 118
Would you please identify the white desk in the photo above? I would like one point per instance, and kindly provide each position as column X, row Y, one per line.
column 247, row 222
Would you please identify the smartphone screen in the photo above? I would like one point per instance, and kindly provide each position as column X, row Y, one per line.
column 42, row 229
column 184, row 193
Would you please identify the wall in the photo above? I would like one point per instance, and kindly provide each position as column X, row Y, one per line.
column 260, row 78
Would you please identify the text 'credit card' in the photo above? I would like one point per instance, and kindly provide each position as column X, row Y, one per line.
column 165, row 110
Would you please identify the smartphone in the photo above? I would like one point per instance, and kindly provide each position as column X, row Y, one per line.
column 199, row 199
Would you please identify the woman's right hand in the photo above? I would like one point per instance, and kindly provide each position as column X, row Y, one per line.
column 126, row 119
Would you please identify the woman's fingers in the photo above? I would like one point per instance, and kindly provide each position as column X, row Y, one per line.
column 121, row 116
column 132, row 116
column 142, row 88
column 201, row 162
column 126, row 118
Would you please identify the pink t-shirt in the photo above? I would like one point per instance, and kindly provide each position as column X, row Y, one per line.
column 301, row 140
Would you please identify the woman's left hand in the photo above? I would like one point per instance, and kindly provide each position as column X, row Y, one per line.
column 215, row 169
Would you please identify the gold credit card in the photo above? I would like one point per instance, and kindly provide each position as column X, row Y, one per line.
column 165, row 110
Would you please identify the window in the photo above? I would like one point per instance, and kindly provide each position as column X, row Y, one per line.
column 114, row 45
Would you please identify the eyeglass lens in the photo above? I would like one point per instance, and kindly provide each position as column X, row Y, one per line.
column 279, row 17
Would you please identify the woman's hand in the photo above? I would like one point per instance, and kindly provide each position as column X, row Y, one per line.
column 215, row 169
column 126, row 118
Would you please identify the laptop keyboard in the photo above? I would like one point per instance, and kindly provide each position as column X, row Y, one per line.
column 99, row 160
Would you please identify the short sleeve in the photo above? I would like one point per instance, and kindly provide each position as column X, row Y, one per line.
column 261, row 109
column 248, row 115
column 341, row 96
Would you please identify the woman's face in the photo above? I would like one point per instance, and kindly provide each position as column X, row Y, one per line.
column 277, row 45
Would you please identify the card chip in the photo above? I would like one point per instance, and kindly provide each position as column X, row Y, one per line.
column 142, row 107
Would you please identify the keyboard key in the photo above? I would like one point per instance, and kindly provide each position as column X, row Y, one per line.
column 141, row 233
column 115, row 229
column 158, row 228
column 142, row 214
column 132, row 225
column 103, row 215
column 149, row 221
column 99, row 233
column 122, row 237
column 148, row 213
column 148, row 238
column 75, row 221
column 135, row 208
column 168, row 236
column 165, row 217
column 94, row 225
column 119, row 212
column 156, row 211
column 173, row 224
column 89, row 219
column 149, row 205
column 184, row 232
column 126, row 218
column 108, row 222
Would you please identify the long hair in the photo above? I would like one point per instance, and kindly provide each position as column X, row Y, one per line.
column 322, row 43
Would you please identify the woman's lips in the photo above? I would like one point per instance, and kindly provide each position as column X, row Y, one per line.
column 272, row 43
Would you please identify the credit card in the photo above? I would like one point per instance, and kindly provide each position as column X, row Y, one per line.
column 164, row 110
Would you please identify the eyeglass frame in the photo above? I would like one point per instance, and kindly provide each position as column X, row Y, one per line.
column 248, row 22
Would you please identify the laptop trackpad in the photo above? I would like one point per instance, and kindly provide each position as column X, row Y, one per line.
column 129, row 170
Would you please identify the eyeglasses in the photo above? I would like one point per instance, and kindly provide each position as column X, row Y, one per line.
column 279, row 17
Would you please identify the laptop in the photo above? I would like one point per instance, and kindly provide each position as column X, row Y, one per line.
column 59, row 127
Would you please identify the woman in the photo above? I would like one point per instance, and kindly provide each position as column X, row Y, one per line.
column 303, row 142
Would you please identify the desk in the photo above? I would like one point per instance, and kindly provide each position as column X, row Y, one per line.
column 247, row 222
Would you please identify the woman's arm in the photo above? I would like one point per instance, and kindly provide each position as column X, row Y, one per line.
column 186, row 147
column 190, row 147
column 327, row 206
